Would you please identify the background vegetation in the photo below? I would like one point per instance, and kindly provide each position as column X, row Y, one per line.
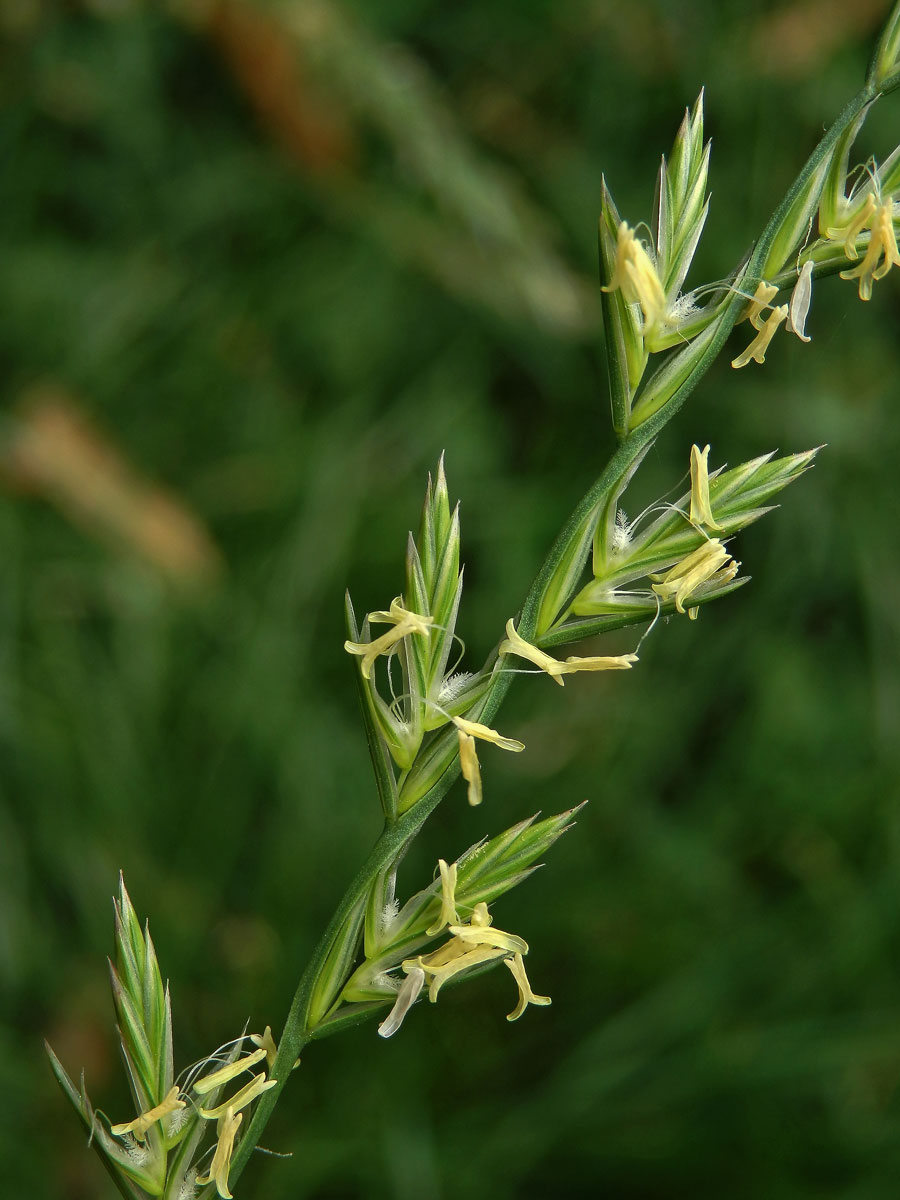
column 259, row 265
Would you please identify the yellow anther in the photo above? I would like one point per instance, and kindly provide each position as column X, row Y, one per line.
column 635, row 273
column 266, row 1042
column 241, row 1099
column 468, row 731
column 221, row 1163
column 526, row 995
column 765, row 292
column 757, row 348
column 448, row 914
column 697, row 567
column 850, row 232
column 141, row 1124
column 882, row 241
column 230, row 1071
column 701, row 510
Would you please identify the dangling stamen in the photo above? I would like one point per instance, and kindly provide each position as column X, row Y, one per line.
column 470, row 767
column 514, row 644
column 686, row 576
column 882, row 240
column 485, row 734
column 221, row 1163
column 267, row 1043
column 701, row 511
column 448, row 914
column 757, row 348
column 405, row 623
column 799, row 302
column 850, row 232
column 408, row 994
column 516, row 965
column 140, row 1125
column 225, row 1074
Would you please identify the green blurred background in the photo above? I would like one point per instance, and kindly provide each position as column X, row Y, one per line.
column 259, row 266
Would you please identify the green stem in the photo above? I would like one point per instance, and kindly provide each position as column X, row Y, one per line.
column 297, row 1032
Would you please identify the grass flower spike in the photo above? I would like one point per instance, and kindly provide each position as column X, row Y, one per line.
column 472, row 944
column 448, row 914
column 636, row 275
column 603, row 572
column 850, row 232
column 470, row 768
column 410, row 990
column 265, row 1042
column 484, row 734
column 241, row 1099
column 216, row 1079
column 513, row 644
column 798, row 308
column 468, row 757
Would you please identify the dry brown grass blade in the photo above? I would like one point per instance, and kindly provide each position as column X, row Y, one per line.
column 797, row 38
column 270, row 73
column 50, row 449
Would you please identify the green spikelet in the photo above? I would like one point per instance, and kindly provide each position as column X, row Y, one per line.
column 484, row 873
column 144, row 1015
column 682, row 204
column 737, row 499
column 626, row 356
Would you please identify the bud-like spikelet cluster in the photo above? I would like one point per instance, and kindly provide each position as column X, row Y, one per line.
column 817, row 229
column 680, row 547
column 455, row 904
column 163, row 1150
